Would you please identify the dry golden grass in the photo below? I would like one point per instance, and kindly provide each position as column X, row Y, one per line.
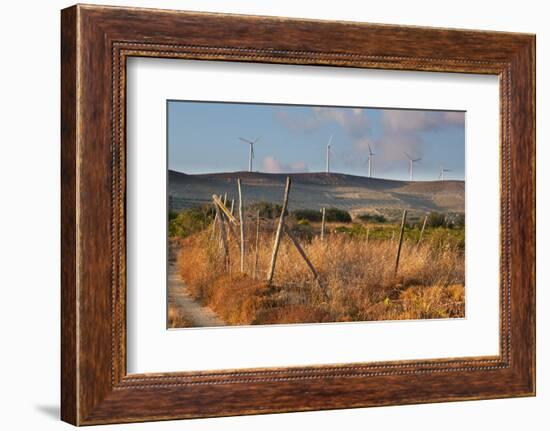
column 357, row 281
column 176, row 319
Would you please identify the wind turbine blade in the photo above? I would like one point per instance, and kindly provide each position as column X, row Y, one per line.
column 257, row 139
column 330, row 140
column 370, row 150
column 244, row 140
column 408, row 157
column 417, row 160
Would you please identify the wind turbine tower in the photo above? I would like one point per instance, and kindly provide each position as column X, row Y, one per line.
column 328, row 155
column 371, row 161
column 411, row 165
column 251, row 151
column 442, row 173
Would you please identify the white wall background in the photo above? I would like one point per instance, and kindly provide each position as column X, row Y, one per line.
column 29, row 215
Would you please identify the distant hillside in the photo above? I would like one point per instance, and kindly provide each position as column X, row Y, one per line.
column 314, row 190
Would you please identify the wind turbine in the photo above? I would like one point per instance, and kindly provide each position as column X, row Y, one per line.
column 251, row 152
column 411, row 163
column 328, row 154
column 442, row 173
column 371, row 162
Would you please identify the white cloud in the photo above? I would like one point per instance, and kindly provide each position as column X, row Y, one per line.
column 271, row 165
column 355, row 121
column 400, row 121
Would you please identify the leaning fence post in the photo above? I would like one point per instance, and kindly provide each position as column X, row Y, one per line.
column 400, row 240
column 241, row 222
column 323, row 224
column 422, row 231
column 302, row 252
column 278, row 233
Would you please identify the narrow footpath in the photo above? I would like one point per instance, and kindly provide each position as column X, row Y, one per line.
column 194, row 312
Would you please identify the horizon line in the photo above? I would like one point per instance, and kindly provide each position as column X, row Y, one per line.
column 316, row 172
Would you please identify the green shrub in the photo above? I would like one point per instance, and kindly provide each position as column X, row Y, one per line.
column 267, row 209
column 307, row 214
column 376, row 218
column 337, row 215
column 436, row 219
column 457, row 221
column 189, row 221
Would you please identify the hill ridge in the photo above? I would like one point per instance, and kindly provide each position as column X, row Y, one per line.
column 316, row 189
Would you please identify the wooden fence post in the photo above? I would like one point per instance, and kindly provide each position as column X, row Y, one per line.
column 224, row 237
column 232, row 206
column 214, row 223
column 278, row 233
column 323, row 224
column 241, row 222
column 257, row 243
column 400, row 240
column 422, row 231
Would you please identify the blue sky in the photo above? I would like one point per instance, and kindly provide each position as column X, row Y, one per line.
column 203, row 138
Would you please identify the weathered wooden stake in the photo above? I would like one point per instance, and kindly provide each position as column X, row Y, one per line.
column 241, row 222
column 224, row 237
column 278, row 233
column 422, row 231
column 232, row 206
column 400, row 240
column 257, row 243
column 302, row 252
column 214, row 223
column 224, row 209
column 215, row 220
column 323, row 224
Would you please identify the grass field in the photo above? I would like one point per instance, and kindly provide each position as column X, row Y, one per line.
column 355, row 263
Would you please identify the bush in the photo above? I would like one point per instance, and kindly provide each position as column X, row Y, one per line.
column 377, row 218
column 305, row 214
column 457, row 221
column 451, row 220
column 267, row 209
column 189, row 221
column 337, row 215
column 436, row 219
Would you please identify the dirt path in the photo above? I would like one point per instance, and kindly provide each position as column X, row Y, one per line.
column 195, row 313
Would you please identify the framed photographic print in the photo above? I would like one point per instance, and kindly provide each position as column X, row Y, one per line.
column 265, row 214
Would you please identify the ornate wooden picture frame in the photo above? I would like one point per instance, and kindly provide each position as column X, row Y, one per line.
column 96, row 41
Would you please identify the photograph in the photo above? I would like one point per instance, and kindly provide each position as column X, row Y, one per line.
column 295, row 214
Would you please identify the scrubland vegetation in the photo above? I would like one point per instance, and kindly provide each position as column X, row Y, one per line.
column 355, row 263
